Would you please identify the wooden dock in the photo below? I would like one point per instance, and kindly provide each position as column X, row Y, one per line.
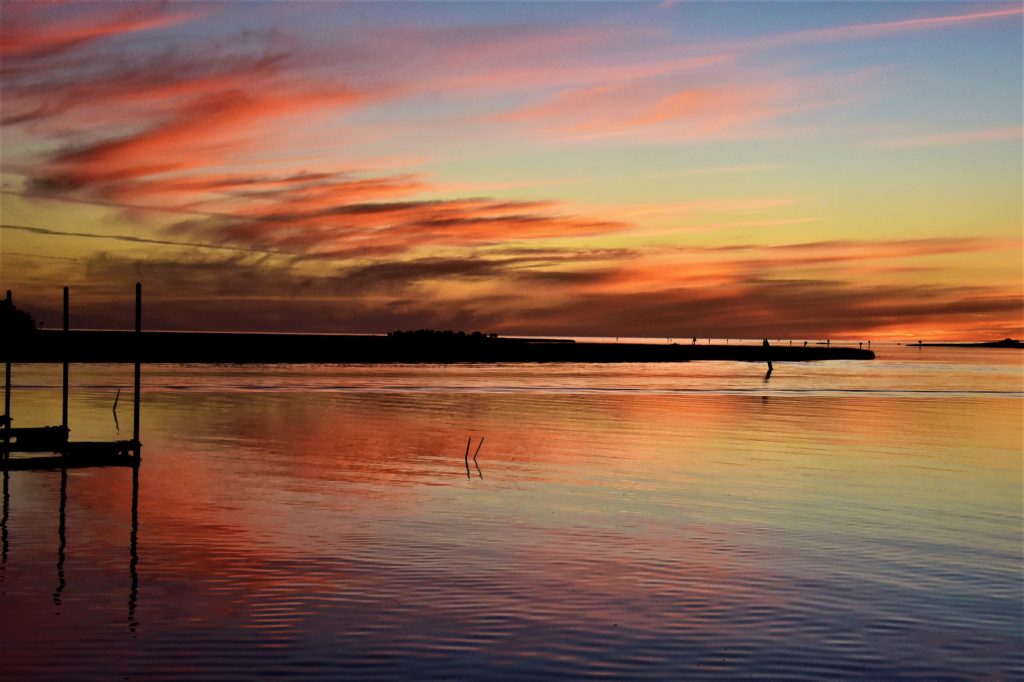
column 61, row 452
column 78, row 456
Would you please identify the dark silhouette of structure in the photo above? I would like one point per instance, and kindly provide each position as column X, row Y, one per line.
column 14, row 322
column 1005, row 343
column 406, row 347
column 50, row 448
column 55, row 439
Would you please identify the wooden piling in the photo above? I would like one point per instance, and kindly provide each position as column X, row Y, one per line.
column 67, row 328
column 7, row 392
column 7, row 378
column 138, row 368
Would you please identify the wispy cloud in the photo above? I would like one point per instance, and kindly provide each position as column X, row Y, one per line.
column 870, row 30
column 734, row 104
column 348, row 230
column 25, row 35
column 192, row 116
column 106, row 113
column 376, row 297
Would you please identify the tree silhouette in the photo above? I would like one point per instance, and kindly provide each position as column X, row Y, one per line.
column 14, row 321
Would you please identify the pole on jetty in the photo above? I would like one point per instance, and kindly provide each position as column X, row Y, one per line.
column 7, row 376
column 138, row 369
column 67, row 346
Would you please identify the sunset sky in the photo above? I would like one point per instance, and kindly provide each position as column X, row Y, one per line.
column 727, row 169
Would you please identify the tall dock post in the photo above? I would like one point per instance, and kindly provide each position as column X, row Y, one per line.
column 7, row 376
column 138, row 368
column 67, row 347
column 6, row 425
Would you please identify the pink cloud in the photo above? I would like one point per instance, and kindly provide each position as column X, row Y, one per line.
column 710, row 107
column 29, row 35
column 506, row 77
column 884, row 28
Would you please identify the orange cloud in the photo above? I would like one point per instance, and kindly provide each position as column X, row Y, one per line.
column 167, row 129
column 205, row 132
column 332, row 228
column 721, row 291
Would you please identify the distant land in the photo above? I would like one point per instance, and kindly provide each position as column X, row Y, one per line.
column 399, row 347
column 1005, row 343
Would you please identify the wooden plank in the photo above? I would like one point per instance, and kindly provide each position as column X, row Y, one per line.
column 33, row 439
column 58, row 462
column 86, row 449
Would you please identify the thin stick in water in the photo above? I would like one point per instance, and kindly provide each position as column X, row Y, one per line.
column 475, row 463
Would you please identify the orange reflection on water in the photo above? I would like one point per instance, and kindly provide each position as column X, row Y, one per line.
column 604, row 527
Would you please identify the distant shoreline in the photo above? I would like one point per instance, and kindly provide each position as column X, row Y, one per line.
column 1005, row 343
column 216, row 347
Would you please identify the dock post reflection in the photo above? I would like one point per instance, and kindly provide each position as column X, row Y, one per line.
column 469, row 442
column 7, row 393
column 62, row 532
column 133, row 545
column 3, row 524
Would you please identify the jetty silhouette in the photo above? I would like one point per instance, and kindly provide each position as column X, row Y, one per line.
column 50, row 447
column 421, row 346
column 1005, row 343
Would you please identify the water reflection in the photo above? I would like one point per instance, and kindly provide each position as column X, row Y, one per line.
column 635, row 535
column 58, row 594
column 63, row 538
column 133, row 563
column 3, row 524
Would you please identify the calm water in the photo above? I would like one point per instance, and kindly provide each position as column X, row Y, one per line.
column 844, row 519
